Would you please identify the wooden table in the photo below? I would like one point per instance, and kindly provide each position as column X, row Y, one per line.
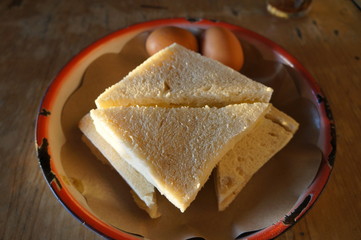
column 38, row 37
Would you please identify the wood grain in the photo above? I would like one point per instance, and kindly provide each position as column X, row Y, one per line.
column 39, row 37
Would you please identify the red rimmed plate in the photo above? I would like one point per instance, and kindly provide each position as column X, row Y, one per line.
column 311, row 153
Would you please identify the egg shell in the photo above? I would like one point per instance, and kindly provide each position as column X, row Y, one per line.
column 222, row 45
column 164, row 36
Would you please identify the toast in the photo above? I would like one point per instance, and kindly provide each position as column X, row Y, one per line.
column 143, row 192
column 256, row 148
column 176, row 76
column 176, row 149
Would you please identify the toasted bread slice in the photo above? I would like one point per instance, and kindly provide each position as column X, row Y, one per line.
column 143, row 192
column 176, row 149
column 236, row 168
column 176, row 76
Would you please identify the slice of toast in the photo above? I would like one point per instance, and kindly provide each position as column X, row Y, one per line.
column 143, row 192
column 176, row 76
column 256, row 148
column 176, row 149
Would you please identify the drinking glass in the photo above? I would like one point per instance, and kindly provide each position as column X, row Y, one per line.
column 288, row 8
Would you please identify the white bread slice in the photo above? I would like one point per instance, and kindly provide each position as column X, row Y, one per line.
column 258, row 146
column 143, row 192
column 176, row 76
column 176, row 149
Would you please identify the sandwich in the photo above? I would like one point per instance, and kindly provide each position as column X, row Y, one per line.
column 142, row 191
column 176, row 149
column 176, row 76
column 178, row 115
column 256, row 148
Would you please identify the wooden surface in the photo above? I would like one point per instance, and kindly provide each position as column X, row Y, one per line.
column 38, row 37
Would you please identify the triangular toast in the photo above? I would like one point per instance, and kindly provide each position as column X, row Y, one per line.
column 176, row 76
column 176, row 149
column 236, row 168
column 144, row 192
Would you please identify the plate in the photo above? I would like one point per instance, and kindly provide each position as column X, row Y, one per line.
column 276, row 197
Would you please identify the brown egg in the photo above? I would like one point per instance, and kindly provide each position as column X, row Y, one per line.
column 222, row 45
column 164, row 36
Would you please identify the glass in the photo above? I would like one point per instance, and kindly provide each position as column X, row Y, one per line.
column 288, row 8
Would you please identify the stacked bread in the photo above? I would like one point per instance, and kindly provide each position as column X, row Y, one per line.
column 178, row 116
